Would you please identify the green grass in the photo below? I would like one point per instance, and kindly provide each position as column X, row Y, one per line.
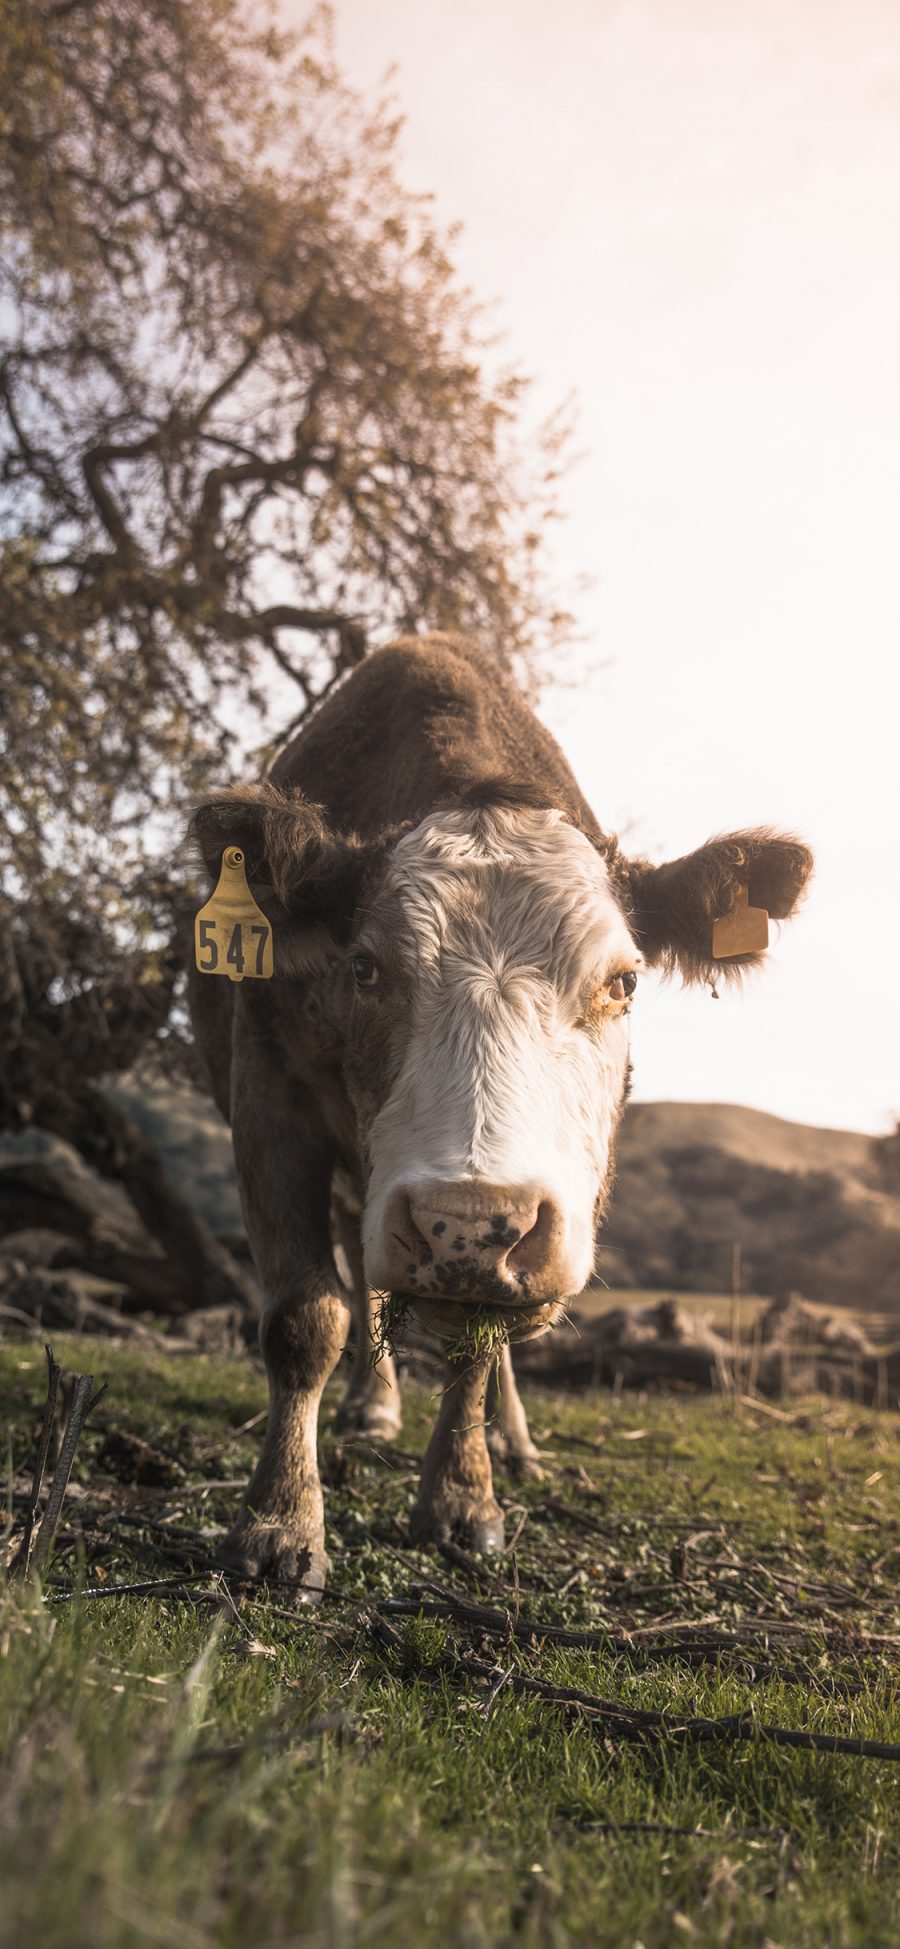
column 485, row 1331
column 175, row 1772
column 390, row 1322
column 482, row 1330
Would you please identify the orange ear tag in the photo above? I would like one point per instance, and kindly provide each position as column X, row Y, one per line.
column 231, row 933
column 745, row 930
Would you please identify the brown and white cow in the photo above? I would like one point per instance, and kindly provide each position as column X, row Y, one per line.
column 442, row 1057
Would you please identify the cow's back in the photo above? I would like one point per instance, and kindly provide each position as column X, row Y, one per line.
column 421, row 722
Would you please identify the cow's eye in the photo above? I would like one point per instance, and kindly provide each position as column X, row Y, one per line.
column 365, row 973
column 605, row 1001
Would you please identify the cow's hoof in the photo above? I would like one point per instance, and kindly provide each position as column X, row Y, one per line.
column 469, row 1530
column 258, row 1552
column 487, row 1534
column 361, row 1415
column 523, row 1464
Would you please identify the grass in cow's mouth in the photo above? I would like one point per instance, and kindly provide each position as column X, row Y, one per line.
column 483, row 1333
column 479, row 1331
column 395, row 1310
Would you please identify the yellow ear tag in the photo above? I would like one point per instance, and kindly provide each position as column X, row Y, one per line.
column 231, row 933
column 745, row 930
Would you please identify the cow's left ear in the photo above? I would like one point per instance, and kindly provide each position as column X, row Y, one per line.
column 675, row 906
column 304, row 876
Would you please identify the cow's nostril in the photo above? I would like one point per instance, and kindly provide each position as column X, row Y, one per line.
column 532, row 1249
column 414, row 1237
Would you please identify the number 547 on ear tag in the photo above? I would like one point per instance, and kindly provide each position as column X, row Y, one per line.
column 231, row 933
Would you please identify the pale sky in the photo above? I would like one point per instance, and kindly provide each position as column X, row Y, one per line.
column 689, row 212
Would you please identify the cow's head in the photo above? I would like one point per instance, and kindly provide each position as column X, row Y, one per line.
column 488, row 959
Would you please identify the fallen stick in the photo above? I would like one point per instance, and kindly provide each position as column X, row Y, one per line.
column 629, row 1723
column 690, row 1833
column 693, row 1653
column 154, row 1587
column 737, row 1725
column 502, row 1624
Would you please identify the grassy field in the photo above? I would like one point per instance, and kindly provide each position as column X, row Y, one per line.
column 390, row 1769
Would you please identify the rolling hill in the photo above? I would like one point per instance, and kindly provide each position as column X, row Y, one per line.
column 812, row 1208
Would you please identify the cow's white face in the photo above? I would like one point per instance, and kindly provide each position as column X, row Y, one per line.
column 488, row 1058
column 485, row 1043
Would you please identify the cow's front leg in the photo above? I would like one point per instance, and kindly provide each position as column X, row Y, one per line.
column 280, row 1531
column 284, row 1162
column 371, row 1405
column 508, row 1435
column 456, row 1501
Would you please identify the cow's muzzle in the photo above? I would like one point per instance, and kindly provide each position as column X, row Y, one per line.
column 485, row 1244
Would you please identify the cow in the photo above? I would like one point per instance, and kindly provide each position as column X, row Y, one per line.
column 435, row 1074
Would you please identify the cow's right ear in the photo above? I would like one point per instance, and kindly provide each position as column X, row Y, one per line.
column 674, row 907
column 305, row 877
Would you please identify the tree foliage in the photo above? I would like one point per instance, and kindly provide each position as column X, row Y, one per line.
column 245, row 421
column 245, row 416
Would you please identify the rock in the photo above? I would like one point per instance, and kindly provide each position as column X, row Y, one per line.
column 219, row 1329
column 38, row 1246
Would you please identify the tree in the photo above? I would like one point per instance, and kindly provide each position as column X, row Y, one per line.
column 246, row 422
